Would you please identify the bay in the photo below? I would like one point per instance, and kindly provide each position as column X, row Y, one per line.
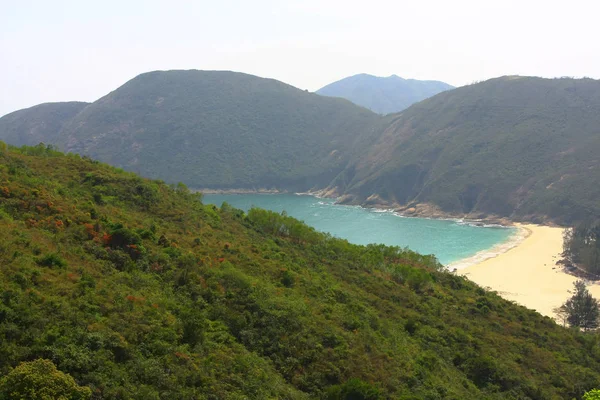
column 449, row 240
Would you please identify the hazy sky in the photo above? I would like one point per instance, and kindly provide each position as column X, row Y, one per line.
column 55, row 50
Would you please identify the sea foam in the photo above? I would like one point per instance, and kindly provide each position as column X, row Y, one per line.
column 513, row 241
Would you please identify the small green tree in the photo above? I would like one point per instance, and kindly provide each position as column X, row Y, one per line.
column 40, row 380
column 562, row 314
column 582, row 309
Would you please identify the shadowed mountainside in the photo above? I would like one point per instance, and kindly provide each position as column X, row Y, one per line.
column 41, row 123
column 216, row 129
column 520, row 147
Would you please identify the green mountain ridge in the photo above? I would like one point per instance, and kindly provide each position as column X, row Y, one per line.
column 518, row 147
column 521, row 148
column 219, row 129
column 41, row 123
column 383, row 95
column 139, row 291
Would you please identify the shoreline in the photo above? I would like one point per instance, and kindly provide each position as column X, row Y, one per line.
column 421, row 210
column 528, row 273
column 513, row 241
column 483, row 221
column 522, row 232
column 239, row 191
column 523, row 269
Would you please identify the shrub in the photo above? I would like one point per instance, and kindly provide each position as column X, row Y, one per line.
column 593, row 394
column 52, row 260
column 123, row 237
column 287, row 279
column 40, row 380
column 354, row 389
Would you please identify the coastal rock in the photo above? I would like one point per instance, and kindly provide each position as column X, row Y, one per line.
column 330, row 192
column 346, row 199
column 375, row 201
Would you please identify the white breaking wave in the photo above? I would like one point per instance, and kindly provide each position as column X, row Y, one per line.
column 513, row 241
column 382, row 210
column 477, row 224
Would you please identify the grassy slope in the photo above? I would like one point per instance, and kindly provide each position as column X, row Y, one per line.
column 383, row 95
column 41, row 123
column 221, row 129
column 140, row 291
column 513, row 146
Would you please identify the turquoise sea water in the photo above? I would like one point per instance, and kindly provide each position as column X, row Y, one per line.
column 449, row 240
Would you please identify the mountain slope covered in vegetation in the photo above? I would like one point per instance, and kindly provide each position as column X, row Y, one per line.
column 138, row 290
column 41, row 123
column 383, row 95
column 519, row 147
column 218, row 129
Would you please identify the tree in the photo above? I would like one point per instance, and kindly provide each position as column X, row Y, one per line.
column 40, row 380
column 582, row 247
column 561, row 314
column 582, row 309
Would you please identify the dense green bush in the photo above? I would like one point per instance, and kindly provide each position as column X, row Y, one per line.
column 40, row 380
column 593, row 394
column 354, row 389
column 52, row 260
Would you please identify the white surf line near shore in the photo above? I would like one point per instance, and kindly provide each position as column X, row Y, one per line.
column 511, row 242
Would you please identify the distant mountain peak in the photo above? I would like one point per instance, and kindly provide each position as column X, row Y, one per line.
column 383, row 95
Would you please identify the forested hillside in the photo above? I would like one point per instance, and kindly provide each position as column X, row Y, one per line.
column 138, row 290
column 383, row 95
column 41, row 123
column 517, row 147
column 520, row 147
column 218, row 129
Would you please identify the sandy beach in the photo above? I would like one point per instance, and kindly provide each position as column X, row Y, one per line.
column 527, row 273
